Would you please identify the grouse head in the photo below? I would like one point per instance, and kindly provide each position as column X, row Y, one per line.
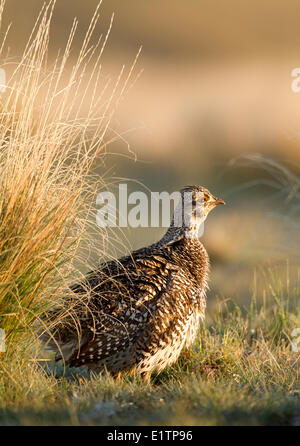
column 195, row 204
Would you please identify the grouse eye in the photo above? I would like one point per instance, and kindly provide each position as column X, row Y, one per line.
column 206, row 197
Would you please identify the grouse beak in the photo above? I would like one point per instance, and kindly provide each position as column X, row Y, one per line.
column 219, row 201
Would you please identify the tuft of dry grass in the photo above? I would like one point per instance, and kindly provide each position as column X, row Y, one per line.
column 53, row 129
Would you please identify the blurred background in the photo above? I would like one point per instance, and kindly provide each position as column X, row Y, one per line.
column 210, row 91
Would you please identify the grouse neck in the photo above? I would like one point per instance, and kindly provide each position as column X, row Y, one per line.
column 174, row 234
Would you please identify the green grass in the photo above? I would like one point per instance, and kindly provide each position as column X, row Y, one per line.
column 241, row 371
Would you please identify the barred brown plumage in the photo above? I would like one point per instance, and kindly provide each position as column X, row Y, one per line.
column 146, row 306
